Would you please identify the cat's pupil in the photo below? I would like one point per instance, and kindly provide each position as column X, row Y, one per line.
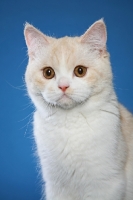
column 80, row 70
column 48, row 72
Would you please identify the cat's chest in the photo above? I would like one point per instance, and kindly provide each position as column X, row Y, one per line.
column 76, row 145
column 62, row 127
column 63, row 133
column 74, row 135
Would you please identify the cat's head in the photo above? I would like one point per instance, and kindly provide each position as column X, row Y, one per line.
column 68, row 71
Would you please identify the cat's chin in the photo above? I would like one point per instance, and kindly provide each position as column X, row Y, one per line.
column 66, row 102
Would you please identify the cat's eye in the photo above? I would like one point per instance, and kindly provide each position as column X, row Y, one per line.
column 48, row 72
column 80, row 71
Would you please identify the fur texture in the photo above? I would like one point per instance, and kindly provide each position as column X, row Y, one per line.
column 84, row 136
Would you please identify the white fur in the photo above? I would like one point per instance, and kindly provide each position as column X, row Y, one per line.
column 79, row 138
column 79, row 154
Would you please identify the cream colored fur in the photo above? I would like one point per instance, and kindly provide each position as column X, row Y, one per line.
column 84, row 136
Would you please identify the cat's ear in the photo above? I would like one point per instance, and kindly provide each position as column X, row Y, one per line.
column 35, row 39
column 96, row 36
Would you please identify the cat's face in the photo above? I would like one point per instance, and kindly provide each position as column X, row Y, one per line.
column 68, row 71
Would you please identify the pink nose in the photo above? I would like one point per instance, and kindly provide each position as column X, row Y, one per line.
column 63, row 88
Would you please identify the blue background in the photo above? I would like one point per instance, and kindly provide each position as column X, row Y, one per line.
column 19, row 174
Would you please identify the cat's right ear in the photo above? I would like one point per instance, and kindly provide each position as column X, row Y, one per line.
column 35, row 40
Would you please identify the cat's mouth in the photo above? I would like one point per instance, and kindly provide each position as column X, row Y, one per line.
column 64, row 98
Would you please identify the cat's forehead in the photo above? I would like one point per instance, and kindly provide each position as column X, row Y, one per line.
column 64, row 51
column 64, row 45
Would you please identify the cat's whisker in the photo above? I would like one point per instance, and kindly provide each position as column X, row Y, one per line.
column 26, row 117
column 26, row 106
column 16, row 87
column 110, row 112
column 86, row 121
column 23, row 61
column 29, row 121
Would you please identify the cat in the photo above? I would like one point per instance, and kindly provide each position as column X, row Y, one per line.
column 84, row 136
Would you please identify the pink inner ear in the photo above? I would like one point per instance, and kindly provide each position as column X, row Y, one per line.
column 96, row 35
column 29, row 36
column 34, row 39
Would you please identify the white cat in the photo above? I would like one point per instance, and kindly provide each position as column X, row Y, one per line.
column 84, row 136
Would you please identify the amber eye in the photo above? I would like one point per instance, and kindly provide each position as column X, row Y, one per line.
column 80, row 71
column 48, row 73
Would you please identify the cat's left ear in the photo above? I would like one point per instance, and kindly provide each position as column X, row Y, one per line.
column 96, row 36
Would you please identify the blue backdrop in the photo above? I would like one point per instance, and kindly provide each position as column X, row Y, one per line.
column 19, row 174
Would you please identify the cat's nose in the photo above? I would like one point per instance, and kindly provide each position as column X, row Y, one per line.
column 63, row 83
column 63, row 88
